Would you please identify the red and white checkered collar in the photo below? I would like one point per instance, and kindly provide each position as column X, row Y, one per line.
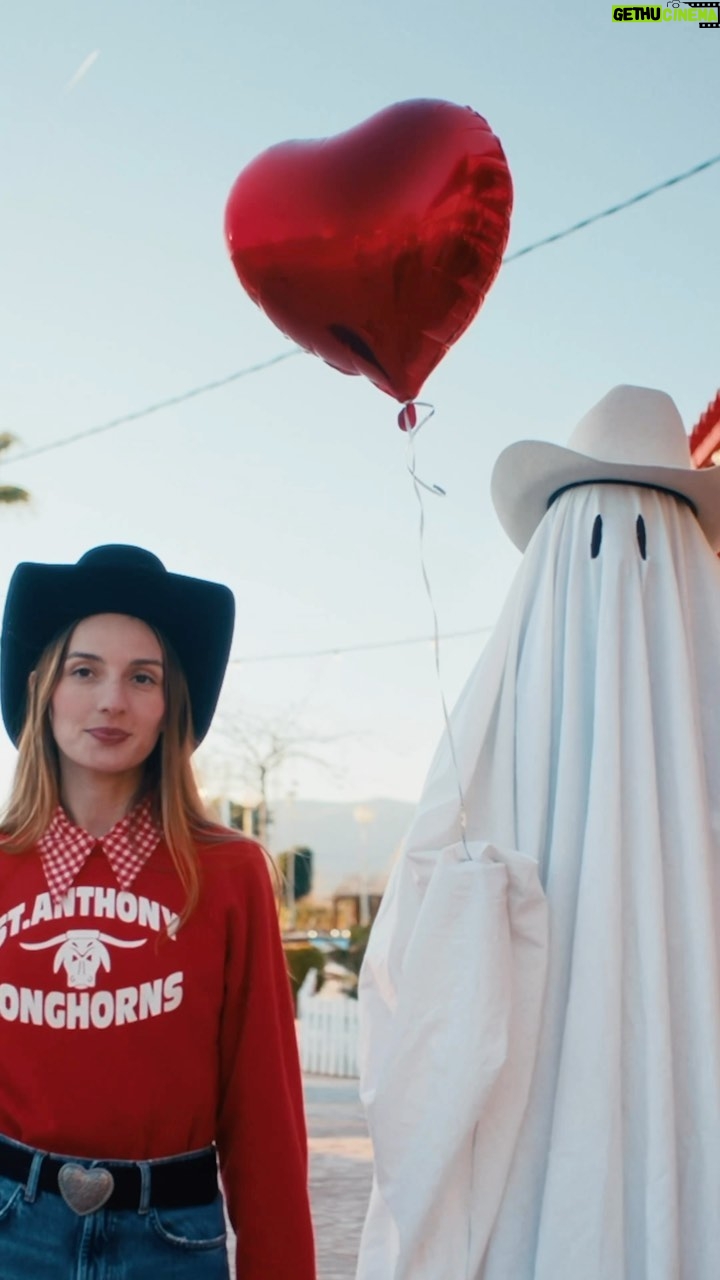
column 66, row 848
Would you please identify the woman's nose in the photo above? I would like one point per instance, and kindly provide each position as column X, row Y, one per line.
column 112, row 696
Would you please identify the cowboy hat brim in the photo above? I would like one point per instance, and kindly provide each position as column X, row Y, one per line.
column 195, row 616
column 530, row 472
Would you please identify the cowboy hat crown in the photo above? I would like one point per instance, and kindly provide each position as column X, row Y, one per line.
column 634, row 435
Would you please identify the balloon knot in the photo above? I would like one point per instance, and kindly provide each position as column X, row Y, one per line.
column 407, row 417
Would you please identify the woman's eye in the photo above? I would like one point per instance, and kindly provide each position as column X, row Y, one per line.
column 144, row 678
column 596, row 539
column 81, row 672
column 641, row 537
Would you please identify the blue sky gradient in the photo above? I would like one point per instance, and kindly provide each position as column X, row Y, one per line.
column 291, row 485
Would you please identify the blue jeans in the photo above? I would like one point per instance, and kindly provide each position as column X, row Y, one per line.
column 42, row 1238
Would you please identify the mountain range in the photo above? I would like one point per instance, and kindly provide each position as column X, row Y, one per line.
column 348, row 840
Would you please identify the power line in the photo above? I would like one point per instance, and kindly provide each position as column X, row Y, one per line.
column 615, row 208
column 184, row 396
column 354, row 648
column 153, row 408
column 341, row 650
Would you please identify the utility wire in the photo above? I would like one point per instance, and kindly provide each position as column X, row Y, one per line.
column 615, row 208
column 337, row 650
column 153, row 408
column 266, row 364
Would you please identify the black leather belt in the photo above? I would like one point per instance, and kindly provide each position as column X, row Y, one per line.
column 188, row 1180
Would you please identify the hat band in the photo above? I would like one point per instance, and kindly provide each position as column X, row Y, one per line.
column 634, row 484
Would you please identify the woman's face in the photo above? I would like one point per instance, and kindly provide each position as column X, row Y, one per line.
column 107, row 710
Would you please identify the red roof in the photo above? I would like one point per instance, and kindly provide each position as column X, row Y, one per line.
column 705, row 435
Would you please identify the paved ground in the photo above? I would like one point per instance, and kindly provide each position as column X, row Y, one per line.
column 340, row 1172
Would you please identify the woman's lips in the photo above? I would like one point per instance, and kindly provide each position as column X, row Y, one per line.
column 109, row 736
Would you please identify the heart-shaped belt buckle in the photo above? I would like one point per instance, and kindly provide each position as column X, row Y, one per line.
column 85, row 1190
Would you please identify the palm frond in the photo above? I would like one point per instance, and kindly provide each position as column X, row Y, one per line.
column 6, row 440
column 12, row 493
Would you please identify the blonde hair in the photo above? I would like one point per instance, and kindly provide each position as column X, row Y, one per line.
column 168, row 779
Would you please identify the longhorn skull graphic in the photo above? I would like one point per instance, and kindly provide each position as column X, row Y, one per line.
column 82, row 951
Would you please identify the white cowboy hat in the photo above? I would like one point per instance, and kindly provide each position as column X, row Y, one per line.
column 634, row 435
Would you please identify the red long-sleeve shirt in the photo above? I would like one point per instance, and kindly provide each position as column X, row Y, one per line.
column 119, row 1043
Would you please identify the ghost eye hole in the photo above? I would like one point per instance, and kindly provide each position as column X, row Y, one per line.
column 596, row 539
column 641, row 536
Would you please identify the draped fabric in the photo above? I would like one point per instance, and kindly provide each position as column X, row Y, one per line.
column 540, row 1003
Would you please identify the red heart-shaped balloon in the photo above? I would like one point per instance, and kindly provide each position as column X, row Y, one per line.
column 375, row 249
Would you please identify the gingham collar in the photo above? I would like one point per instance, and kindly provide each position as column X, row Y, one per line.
column 65, row 847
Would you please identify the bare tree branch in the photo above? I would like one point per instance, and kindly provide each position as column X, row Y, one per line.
column 251, row 751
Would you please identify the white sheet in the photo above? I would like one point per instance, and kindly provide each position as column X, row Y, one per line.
column 546, row 1105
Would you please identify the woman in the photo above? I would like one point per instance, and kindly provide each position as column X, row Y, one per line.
column 146, row 1016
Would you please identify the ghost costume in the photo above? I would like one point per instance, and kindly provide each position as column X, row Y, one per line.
column 540, row 1001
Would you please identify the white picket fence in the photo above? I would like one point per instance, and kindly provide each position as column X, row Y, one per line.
column 328, row 1031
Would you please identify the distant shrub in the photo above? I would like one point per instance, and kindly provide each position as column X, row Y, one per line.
column 353, row 957
column 300, row 960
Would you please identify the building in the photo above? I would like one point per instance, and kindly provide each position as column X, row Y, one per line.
column 357, row 899
column 705, row 436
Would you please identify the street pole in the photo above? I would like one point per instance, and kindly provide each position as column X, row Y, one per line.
column 364, row 816
column 290, row 890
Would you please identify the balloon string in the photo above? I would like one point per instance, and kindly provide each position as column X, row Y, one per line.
column 436, row 489
column 408, row 422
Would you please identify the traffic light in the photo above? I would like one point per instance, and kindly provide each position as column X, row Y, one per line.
column 296, row 867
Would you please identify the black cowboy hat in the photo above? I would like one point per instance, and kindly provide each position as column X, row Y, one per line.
column 195, row 616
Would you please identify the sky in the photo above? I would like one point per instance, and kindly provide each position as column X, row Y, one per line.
column 124, row 127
